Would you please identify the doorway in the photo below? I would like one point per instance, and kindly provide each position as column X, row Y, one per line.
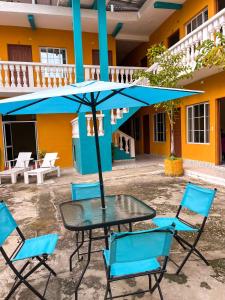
column 96, row 60
column 174, row 38
column 19, row 136
column 146, row 134
column 220, row 5
column 177, row 134
column 221, row 128
column 21, row 53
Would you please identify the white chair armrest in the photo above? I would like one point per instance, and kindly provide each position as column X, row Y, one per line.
column 51, row 160
column 37, row 161
column 8, row 162
column 25, row 160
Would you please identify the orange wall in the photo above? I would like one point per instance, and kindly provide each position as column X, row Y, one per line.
column 214, row 89
column 55, row 135
column 161, row 148
column 50, row 38
column 176, row 21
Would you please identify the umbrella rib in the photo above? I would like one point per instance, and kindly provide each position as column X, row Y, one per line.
column 25, row 106
column 109, row 96
column 134, row 98
column 78, row 100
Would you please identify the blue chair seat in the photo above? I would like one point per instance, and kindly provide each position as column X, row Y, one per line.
column 37, row 246
column 180, row 226
column 129, row 268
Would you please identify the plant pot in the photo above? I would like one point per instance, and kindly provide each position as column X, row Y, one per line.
column 173, row 167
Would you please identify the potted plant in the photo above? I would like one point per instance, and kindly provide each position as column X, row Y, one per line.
column 167, row 70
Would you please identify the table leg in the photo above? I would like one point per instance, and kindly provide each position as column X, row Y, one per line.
column 86, row 265
column 76, row 250
column 106, row 232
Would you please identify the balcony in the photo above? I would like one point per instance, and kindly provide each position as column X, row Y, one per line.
column 189, row 44
column 26, row 77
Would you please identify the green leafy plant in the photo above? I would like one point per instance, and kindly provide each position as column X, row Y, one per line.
column 211, row 53
column 41, row 154
column 168, row 72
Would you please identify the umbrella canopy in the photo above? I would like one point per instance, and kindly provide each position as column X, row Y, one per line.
column 90, row 96
column 78, row 97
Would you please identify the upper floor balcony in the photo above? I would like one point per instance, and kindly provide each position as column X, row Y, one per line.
column 25, row 77
column 190, row 43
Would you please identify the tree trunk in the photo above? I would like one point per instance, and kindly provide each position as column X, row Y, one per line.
column 172, row 146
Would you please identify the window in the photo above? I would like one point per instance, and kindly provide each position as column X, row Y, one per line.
column 53, row 56
column 160, row 127
column 197, row 21
column 198, row 123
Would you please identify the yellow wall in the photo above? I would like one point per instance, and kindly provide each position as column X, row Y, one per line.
column 50, row 38
column 176, row 21
column 161, row 148
column 55, row 135
column 214, row 89
column 54, row 131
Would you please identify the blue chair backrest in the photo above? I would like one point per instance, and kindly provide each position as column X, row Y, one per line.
column 7, row 223
column 82, row 191
column 140, row 245
column 198, row 199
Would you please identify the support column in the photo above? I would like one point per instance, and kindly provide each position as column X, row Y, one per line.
column 103, row 40
column 77, row 40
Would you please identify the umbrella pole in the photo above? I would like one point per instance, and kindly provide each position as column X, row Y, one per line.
column 98, row 155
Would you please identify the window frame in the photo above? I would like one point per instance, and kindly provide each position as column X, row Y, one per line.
column 195, row 18
column 193, row 119
column 155, row 130
column 51, row 75
column 54, row 48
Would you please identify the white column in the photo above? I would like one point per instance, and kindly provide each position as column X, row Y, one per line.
column 24, row 69
column 6, row 70
column 12, row 77
column 100, row 126
column 18, row 76
column 89, row 117
column 37, row 76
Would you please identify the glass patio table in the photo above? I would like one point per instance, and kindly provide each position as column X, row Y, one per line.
column 86, row 215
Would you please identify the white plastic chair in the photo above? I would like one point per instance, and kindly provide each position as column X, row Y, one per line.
column 22, row 165
column 47, row 166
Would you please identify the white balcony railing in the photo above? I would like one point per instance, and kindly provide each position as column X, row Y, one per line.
column 207, row 30
column 124, row 142
column 24, row 75
column 189, row 46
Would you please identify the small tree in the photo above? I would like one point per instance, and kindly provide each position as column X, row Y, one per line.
column 167, row 70
column 212, row 53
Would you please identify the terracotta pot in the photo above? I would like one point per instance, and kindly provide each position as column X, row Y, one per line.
column 174, row 167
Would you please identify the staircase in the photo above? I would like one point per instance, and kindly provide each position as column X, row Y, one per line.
column 114, row 144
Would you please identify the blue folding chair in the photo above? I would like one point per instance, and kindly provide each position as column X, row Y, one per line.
column 38, row 248
column 134, row 254
column 196, row 199
column 85, row 191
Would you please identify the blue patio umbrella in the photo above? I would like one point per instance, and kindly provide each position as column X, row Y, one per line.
column 90, row 96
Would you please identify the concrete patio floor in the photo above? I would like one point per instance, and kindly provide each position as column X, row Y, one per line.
column 36, row 208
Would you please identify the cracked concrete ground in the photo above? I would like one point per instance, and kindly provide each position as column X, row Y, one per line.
column 36, row 209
